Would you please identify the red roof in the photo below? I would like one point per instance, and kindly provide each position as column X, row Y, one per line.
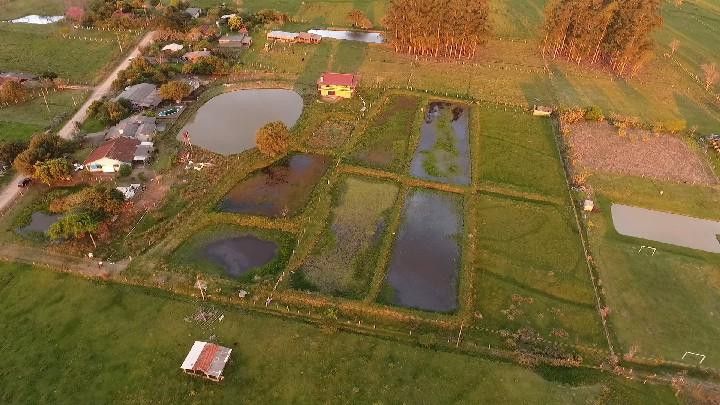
column 206, row 358
column 122, row 149
column 338, row 79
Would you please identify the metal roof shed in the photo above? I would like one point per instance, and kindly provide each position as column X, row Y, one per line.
column 206, row 360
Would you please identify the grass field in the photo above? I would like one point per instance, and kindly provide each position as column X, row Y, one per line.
column 22, row 120
column 10, row 9
column 666, row 304
column 95, row 342
column 38, row 48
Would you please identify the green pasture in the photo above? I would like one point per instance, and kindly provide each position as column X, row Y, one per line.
column 665, row 304
column 11, row 9
column 96, row 342
column 531, row 271
column 20, row 121
column 346, row 255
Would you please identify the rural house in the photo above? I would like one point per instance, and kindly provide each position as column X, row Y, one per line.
column 195, row 55
column 282, row 36
column 308, row 38
column 137, row 126
column 206, row 360
column 340, row 85
column 241, row 40
column 143, row 95
column 108, row 157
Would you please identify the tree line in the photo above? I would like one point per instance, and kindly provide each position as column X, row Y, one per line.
column 616, row 34
column 437, row 28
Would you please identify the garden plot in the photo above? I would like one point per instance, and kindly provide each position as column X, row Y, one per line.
column 280, row 190
column 531, row 271
column 598, row 147
column 385, row 142
column 331, row 134
column 425, row 261
column 444, row 151
column 234, row 252
column 344, row 260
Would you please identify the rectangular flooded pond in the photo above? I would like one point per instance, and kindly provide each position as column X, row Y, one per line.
column 425, row 261
column 279, row 190
column 443, row 154
column 674, row 229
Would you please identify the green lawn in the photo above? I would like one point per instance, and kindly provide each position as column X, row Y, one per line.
column 22, row 120
column 73, row 340
column 39, row 48
column 666, row 304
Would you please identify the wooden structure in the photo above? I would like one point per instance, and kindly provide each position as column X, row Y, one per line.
column 206, row 360
column 341, row 85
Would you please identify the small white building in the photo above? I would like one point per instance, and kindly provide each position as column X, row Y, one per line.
column 206, row 360
column 588, row 205
column 172, row 48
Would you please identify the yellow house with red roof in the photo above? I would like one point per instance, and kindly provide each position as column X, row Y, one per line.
column 340, row 85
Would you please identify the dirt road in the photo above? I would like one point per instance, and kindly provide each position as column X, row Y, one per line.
column 11, row 191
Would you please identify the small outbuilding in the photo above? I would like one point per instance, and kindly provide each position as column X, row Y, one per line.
column 206, row 360
column 308, row 38
column 340, row 85
column 241, row 40
column 195, row 55
column 172, row 47
column 542, row 111
column 194, row 12
column 588, row 205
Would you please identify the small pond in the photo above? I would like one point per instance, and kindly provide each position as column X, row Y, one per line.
column 38, row 19
column 227, row 124
column 369, row 37
column 40, row 222
column 425, row 261
column 443, row 153
column 674, row 229
column 239, row 255
column 279, row 190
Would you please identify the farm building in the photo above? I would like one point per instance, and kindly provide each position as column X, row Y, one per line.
column 172, row 48
column 308, row 38
column 241, row 40
column 206, row 360
column 137, row 126
column 108, row 157
column 195, row 55
column 193, row 12
column 542, row 111
column 341, row 85
column 282, row 36
column 141, row 95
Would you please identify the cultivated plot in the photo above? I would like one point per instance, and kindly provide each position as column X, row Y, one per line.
column 344, row 259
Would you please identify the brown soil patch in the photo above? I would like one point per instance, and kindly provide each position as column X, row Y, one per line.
column 598, row 147
column 331, row 134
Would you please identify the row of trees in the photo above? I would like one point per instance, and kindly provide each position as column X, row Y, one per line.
column 438, row 28
column 616, row 34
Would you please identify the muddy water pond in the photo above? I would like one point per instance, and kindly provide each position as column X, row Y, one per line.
column 674, row 229
column 227, row 124
column 241, row 254
column 425, row 261
column 279, row 190
column 369, row 37
column 443, row 153
column 40, row 222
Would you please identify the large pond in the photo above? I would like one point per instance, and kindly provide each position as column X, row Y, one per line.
column 426, row 258
column 227, row 124
column 443, row 153
column 279, row 190
column 38, row 19
column 239, row 255
column 369, row 37
column 40, row 222
column 674, row 229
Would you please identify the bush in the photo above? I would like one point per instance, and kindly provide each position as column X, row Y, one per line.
column 675, row 126
column 175, row 90
column 594, row 113
column 273, row 139
column 125, row 170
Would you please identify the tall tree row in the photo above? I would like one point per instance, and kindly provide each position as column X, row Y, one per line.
column 438, row 28
column 612, row 33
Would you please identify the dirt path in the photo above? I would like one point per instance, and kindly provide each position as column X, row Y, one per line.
column 11, row 191
column 60, row 262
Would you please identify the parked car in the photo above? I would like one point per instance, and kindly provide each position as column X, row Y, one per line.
column 25, row 182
